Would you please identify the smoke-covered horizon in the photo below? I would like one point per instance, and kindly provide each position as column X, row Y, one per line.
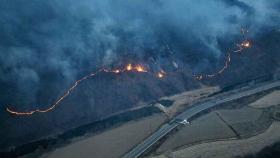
column 44, row 42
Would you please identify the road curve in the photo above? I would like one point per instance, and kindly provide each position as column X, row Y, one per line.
column 166, row 128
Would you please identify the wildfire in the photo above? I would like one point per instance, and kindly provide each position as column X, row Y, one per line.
column 140, row 68
column 135, row 68
column 245, row 44
column 161, row 74
column 116, row 71
column 129, row 67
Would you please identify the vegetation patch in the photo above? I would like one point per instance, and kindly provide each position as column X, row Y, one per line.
column 276, row 115
column 166, row 102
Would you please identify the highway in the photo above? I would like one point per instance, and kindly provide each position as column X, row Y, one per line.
column 166, row 128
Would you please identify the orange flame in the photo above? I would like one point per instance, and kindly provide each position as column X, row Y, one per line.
column 240, row 47
column 140, row 68
column 246, row 44
column 161, row 74
column 129, row 67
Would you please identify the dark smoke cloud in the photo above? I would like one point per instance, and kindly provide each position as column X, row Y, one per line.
column 44, row 43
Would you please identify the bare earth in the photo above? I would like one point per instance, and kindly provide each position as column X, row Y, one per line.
column 230, row 148
column 186, row 98
column 270, row 99
column 245, row 114
column 112, row 143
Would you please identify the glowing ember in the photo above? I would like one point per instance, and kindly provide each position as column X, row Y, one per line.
column 199, row 77
column 160, row 75
column 246, row 44
column 116, row 71
column 129, row 67
column 240, row 47
column 140, row 68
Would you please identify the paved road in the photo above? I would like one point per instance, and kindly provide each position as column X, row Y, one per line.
column 166, row 128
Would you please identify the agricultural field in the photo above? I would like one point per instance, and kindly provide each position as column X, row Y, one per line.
column 245, row 114
column 240, row 130
column 230, row 148
column 246, row 121
column 206, row 128
column 269, row 100
column 112, row 143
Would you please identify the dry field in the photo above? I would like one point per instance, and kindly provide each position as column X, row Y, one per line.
column 208, row 127
column 247, row 121
column 248, row 129
column 245, row 114
column 112, row 143
column 218, row 125
column 269, row 100
column 186, row 98
column 230, row 148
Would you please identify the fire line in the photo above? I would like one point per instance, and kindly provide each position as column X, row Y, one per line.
column 129, row 67
column 135, row 68
column 245, row 44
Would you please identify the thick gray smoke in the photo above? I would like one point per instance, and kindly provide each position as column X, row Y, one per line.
column 45, row 42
